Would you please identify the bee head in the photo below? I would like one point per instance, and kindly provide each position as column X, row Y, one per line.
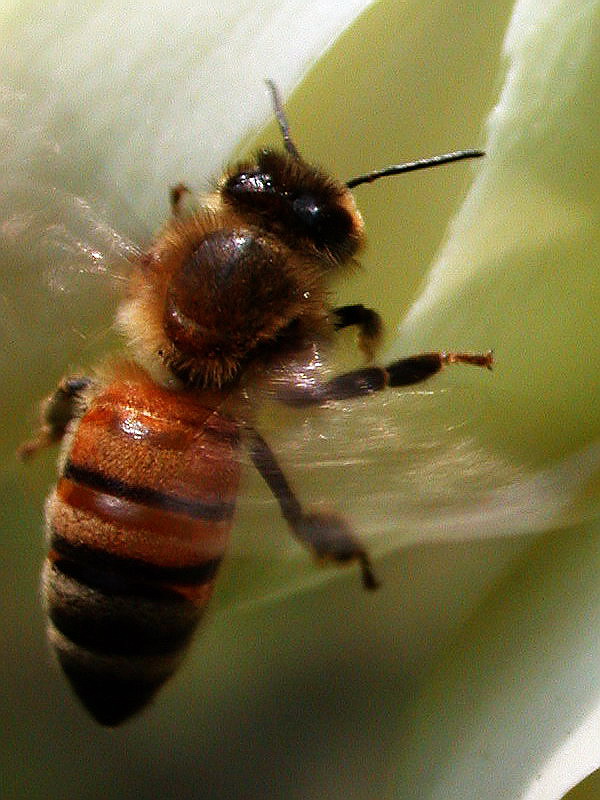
column 296, row 201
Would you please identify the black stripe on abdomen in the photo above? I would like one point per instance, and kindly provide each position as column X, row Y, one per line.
column 118, row 638
column 209, row 511
column 137, row 623
column 108, row 571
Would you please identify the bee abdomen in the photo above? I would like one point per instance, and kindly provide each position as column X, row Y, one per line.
column 137, row 528
column 118, row 639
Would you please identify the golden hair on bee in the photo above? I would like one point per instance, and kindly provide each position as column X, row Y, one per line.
column 213, row 288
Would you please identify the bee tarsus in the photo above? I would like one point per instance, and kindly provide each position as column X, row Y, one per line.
column 177, row 194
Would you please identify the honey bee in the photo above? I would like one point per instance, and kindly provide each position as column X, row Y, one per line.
column 232, row 292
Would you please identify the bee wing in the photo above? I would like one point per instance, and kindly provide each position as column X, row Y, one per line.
column 66, row 238
column 70, row 239
column 65, row 263
column 399, row 465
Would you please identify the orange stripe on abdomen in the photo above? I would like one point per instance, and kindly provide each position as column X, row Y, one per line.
column 133, row 519
column 170, row 442
column 171, row 504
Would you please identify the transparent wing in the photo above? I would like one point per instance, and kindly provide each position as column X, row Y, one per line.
column 65, row 264
column 63, row 230
column 69, row 238
column 409, row 466
column 400, row 466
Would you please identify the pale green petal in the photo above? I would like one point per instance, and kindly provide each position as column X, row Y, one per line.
column 141, row 94
column 519, row 272
column 511, row 708
column 97, row 113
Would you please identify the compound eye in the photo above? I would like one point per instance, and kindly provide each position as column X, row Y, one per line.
column 307, row 209
column 250, row 182
column 327, row 224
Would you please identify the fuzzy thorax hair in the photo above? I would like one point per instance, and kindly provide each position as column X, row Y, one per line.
column 214, row 291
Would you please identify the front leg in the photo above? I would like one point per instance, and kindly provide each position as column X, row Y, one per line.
column 328, row 536
column 56, row 412
column 368, row 322
column 361, row 382
column 177, row 198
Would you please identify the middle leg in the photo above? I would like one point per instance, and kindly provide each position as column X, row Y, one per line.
column 368, row 322
column 366, row 381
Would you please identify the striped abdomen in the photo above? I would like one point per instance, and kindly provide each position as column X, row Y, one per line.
column 137, row 526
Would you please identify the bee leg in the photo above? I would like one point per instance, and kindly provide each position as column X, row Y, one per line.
column 176, row 196
column 56, row 412
column 362, row 382
column 369, row 325
column 328, row 536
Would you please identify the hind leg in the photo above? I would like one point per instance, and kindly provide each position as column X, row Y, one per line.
column 327, row 536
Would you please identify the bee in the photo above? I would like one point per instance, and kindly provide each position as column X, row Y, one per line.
column 231, row 293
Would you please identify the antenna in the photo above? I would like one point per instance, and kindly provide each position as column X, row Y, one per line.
column 410, row 166
column 281, row 118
